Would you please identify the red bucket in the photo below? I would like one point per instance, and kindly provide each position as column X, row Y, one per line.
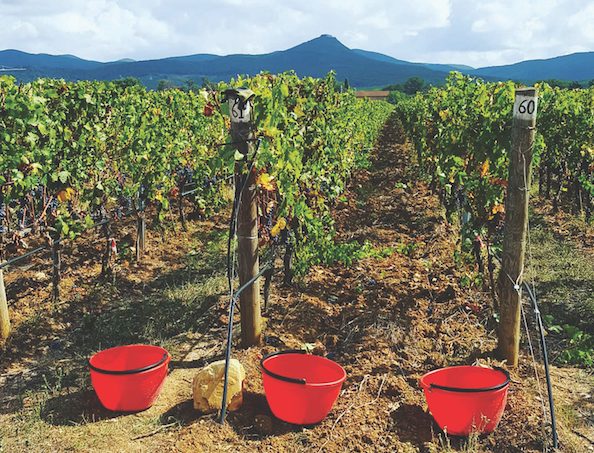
column 466, row 399
column 129, row 378
column 301, row 388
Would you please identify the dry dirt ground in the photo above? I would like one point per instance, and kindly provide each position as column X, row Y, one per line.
column 387, row 319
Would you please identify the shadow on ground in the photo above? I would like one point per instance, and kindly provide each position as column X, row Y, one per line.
column 182, row 413
column 413, row 424
column 77, row 408
column 255, row 420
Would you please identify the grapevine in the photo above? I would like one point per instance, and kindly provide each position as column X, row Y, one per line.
column 462, row 134
column 74, row 153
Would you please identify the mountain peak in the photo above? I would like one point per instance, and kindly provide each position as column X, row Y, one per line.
column 323, row 43
column 312, row 58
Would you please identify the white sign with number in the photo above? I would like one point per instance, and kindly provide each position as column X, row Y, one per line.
column 525, row 107
column 239, row 115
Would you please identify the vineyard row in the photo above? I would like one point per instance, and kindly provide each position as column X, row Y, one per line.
column 74, row 154
column 462, row 135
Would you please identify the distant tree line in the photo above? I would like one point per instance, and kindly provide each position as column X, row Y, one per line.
column 416, row 84
column 167, row 84
column 570, row 84
column 184, row 85
column 412, row 86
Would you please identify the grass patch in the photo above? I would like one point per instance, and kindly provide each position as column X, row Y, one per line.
column 348, row 253
column 57, row 405
column 564, row 277
column 172, row 308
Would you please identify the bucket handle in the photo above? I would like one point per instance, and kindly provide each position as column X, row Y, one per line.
column 475, row 390
column 125, row 372
column 278, row 376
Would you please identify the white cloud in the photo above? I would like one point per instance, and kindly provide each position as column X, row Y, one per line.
column 584, row 22
column 456, row 31
column 505, row 31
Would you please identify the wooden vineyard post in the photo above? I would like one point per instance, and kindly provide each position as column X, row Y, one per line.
column 56, row 268
column 247, row 216
column 138, row 236
column 4, row 319
column 140, row 225
column 249, row 266
column 516, row 224
column 143, row 235
column 180, row 205
column 105, row 267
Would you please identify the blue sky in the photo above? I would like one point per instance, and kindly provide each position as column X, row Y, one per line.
column 478, row 33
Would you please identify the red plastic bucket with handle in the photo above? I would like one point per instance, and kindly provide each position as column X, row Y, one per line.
column 466, row 399
column 129, row 378
column 301, row 388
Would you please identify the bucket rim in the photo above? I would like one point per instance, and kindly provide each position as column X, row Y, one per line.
column 493, row 388
column 164, row 358
column 300, row 381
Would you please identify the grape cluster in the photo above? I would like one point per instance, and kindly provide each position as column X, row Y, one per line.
column 185, row 174
column 37, row 193
column 21, row 214
column 99, row 214
column 53, row 205
column 269, row 219
column 209, row 182
column 125, row 203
